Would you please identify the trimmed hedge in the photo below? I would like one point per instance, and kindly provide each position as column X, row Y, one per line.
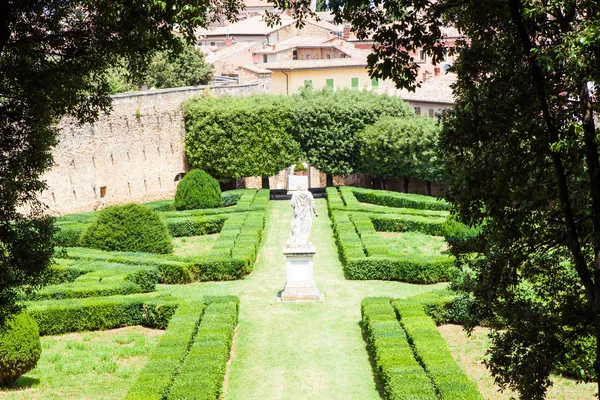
column 400, row 200
column 431, row 349
column 158, row 374
column 55, row 317
column 197, row 189
column 201, row 374
column 106, row 282
column 195, row 226
column 400, row 374
column 365, row 255
column 351, row 204
column 189, row 360
column 411, row 358
column 131, row 227
column 409, row 269
column 20, row 347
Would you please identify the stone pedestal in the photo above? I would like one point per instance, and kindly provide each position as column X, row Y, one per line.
column 300, row 285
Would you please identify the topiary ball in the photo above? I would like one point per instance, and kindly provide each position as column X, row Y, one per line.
column 131, row 227
column 197, row 189
column 20, row 347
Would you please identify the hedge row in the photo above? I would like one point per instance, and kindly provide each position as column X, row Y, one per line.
column 195, row 226
column 349, row 245
column 158, row 374
column 110, row 281
column 55, row 317
column 410, row 269
column 431, row 349
column 348, row 202
column 400, row 374
column 189, row 360
column 412, row 360
column 399, row 200
column 203, row 370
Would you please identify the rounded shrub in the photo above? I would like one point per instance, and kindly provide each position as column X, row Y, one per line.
column 130, row 227
column 197, row 189
column 20, row 348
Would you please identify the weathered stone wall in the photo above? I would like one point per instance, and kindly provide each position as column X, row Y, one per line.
column 135, row 154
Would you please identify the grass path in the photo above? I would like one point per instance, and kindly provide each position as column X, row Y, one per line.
column 299, row 350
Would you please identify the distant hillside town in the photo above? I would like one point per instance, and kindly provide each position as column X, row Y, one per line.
column 285, row 58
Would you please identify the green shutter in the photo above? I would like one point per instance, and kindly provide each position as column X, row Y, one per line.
column 355, row 83
column 374, row 82
column 329, row 83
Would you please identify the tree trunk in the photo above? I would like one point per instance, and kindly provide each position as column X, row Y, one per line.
column 428, row 188
column 265, row 182
column 328, row 180
column 405, row 185
column 383, row 185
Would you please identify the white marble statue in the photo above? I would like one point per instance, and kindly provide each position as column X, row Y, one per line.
column 303, row 205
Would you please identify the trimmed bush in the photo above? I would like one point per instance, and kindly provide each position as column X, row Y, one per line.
column 55, row 317
column 396, row 199
column 201, row 374
column 20, row 347
column 432, row 350
column 196, row 190
column 400, row 374
column 195, row 226
column 131, row 227
column 68, row 235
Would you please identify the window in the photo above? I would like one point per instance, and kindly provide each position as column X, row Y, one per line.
column 418, row 110
column 265, row 58
column 354, row 82
column 431, row 114
column 329, row 56
column 329, row 83
column 308, row 83
column 294, row 54
column 422, row 55
column 374, row 82
column 308, row 57
column 102, row 191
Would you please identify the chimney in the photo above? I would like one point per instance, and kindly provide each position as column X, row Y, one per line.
column 436, row 71
column 346, row 33
column 424, row 77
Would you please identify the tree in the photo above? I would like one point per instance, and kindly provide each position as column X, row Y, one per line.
column 401, row 148
column 523, row 162
column 326, row 122
column 54, row 58
column 233, row 137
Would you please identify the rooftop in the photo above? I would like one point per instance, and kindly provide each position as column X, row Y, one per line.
column 315, row 64
column 435, row 90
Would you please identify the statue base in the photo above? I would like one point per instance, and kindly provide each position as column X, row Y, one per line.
column 300, row 285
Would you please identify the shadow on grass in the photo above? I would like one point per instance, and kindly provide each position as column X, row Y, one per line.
column 378, row 383
column 23, row 382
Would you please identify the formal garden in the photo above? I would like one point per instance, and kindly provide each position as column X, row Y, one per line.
column 178, row 299
column 172, row 301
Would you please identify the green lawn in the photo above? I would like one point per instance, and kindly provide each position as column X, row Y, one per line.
column 193, row 246
column 413, row 243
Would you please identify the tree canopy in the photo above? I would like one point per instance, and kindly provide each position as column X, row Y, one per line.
column 325, row 123
column 54, row 58
column 401, row 147
column 166, row 70
column 234, row 137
